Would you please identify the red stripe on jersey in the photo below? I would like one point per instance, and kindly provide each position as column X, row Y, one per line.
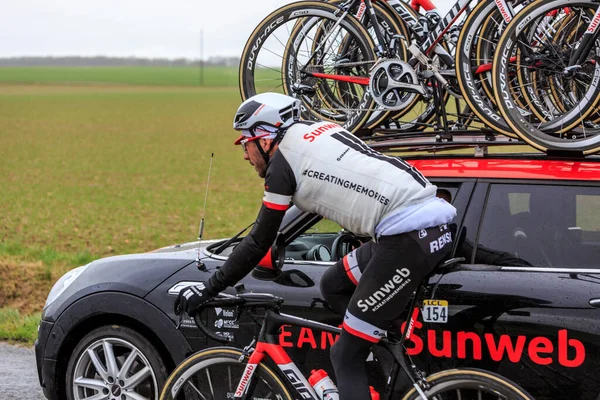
column 359, row 334
column 348, row 272
column 273, row 206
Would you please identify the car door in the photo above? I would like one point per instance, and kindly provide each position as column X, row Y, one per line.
column 525, row 304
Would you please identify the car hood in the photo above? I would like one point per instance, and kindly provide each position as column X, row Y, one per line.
column 185, row 247
column 135, row 274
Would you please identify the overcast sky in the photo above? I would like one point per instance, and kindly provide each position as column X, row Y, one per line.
column 142, row 28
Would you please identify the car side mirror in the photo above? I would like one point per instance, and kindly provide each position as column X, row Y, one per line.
column 294, row 278
column 278, row 252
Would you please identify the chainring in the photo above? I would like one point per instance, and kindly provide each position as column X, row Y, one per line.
column 384, row 80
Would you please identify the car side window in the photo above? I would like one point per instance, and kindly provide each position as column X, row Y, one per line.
column 324, row 226
column 551, row 226
column 315, row 244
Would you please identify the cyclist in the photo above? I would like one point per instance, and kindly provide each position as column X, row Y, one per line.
column 324, row 169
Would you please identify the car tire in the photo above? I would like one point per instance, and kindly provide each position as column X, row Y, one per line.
column 135, row 366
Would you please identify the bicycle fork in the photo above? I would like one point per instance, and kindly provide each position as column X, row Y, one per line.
column 284, row 363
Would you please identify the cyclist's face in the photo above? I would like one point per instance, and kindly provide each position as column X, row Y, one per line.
column 252, row 154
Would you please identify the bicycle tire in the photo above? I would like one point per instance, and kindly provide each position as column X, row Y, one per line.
column 219, row 358
column 354, row 116
column 544, row 136
column 479, row 24
column 472, row 381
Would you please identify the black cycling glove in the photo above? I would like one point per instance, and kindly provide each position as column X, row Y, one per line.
column 191, row 298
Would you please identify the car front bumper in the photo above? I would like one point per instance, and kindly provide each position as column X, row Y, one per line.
column 46, row 367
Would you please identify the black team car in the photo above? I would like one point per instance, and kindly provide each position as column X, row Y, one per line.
column 524, row 304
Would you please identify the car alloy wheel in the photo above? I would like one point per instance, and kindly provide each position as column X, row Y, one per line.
column 109, row 367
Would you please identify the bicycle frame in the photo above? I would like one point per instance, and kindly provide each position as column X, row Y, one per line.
column 428, row 43
column 267, row 346
column 426, row 5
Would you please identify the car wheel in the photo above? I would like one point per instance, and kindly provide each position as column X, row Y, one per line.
column 115, row 363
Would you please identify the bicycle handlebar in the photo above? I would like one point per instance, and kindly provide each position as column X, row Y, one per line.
column 245, row 300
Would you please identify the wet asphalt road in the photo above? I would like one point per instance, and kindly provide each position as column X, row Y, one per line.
column 18, row 374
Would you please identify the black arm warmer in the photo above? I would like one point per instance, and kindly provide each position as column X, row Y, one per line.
column 249, row 252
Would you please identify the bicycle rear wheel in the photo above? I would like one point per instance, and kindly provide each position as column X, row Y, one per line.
column 470, row 384
column 215, row 374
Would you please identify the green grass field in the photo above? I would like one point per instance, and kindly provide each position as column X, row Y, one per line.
column 91, row 170
column 153, row 76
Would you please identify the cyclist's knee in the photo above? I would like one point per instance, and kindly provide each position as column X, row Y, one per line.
column 336, row 354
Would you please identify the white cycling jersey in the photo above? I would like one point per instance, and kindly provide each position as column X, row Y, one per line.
column 323, row 168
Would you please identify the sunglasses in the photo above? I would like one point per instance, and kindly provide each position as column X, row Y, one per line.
column 244, row 141
column 250, row 139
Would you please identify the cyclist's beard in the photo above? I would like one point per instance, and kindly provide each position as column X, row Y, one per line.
column 259, row 165
column 261, row 169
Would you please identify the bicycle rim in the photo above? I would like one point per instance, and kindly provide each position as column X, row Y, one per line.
column 470, row 384
column 476, row 46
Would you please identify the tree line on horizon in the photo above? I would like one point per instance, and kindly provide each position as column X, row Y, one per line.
column 105, row 61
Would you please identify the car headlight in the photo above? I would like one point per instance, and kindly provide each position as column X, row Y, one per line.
column 63, row 283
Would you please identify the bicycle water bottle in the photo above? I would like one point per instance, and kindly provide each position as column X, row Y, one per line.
column 323, row 385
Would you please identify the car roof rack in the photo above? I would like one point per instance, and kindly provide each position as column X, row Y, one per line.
column 435, row 142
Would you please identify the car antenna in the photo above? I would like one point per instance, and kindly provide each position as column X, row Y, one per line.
column 199, row 263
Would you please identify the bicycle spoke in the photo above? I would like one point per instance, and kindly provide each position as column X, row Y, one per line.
column 212, row 390
column 196, row 389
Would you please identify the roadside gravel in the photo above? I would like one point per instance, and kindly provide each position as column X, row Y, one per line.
column 18, row 374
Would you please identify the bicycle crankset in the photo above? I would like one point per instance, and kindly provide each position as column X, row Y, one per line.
column 394, row 84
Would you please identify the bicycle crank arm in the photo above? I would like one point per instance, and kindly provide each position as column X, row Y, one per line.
column 408, row 87
column 428, row 62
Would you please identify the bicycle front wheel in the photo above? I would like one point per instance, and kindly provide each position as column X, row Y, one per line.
column 470, row 384
column 215, row 374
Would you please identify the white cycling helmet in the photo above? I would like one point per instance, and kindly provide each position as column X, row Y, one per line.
column 272, row 110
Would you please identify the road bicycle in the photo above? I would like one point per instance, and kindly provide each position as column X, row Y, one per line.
column 322, row 48
column 263, row 369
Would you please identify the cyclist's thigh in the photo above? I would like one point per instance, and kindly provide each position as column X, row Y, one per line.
column 397, row 266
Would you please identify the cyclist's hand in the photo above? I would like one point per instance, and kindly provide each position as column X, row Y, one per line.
column 190, row 298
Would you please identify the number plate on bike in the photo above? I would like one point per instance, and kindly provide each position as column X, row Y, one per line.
column 435, row 311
